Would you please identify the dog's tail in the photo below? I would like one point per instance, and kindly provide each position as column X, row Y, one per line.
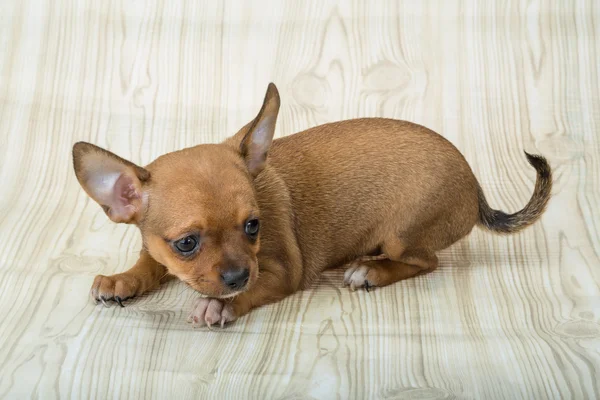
column 500, row 222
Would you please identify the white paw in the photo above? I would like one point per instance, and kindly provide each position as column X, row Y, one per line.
column 356, row 277
column 208, row 312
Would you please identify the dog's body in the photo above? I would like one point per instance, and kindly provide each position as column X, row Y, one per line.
column 380, row 194
column 356, row 187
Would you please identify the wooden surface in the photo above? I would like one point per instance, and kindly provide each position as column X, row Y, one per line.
column 504, row 317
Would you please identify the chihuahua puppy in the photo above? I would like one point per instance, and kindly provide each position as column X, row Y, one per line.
column 252, row 220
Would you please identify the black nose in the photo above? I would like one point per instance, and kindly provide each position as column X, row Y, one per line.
column 236, row 278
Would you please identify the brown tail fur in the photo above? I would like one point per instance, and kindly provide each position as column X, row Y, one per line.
column 500, row 222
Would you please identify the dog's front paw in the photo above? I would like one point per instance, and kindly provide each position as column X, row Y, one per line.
column 118, row 287
column 356, row 276
column 208, row 312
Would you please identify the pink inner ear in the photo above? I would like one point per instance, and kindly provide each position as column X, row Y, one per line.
column 124, row 193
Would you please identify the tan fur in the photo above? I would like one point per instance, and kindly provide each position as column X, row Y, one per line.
column 333, row 194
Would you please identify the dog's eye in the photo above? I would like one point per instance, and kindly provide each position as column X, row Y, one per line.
column 186, row 245
column 251, row 228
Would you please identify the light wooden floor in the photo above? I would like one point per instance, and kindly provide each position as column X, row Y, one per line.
column 504, row 317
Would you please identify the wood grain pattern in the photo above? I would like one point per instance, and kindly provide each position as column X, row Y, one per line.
column 504, row 317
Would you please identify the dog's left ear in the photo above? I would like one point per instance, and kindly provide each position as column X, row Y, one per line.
column 255, row 138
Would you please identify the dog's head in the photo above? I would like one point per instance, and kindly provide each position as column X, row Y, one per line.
column 196, row 208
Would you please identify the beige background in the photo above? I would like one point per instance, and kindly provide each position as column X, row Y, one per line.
column 504, row 317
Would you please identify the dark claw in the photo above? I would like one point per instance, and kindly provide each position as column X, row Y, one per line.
column 119, row 300
column 368, row 286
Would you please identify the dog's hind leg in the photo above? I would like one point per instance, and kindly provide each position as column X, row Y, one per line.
column 401, row 263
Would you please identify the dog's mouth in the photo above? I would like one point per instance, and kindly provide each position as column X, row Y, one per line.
column 224, row 296
column 227, row 295
column 230, row 295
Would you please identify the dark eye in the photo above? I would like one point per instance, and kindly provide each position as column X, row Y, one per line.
column 251, row 228
column 186, row 245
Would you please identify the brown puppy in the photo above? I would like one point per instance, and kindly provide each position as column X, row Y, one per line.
column 245, row 230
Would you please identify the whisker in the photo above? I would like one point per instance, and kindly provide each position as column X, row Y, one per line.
column 165, row 274
column 185, row 287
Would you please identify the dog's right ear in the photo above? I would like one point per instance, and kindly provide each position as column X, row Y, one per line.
column 254, row 139
column 114, row 183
